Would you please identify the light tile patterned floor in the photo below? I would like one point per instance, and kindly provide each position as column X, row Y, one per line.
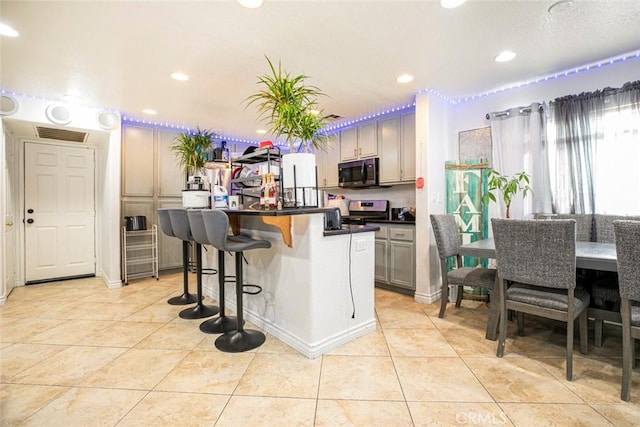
column 73, row 353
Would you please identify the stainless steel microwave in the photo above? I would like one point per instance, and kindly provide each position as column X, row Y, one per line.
column 359, row 173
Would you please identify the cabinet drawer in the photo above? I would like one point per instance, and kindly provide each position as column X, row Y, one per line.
column 382, row 233
column 396, row 233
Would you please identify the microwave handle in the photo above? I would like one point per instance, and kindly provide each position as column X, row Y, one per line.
column 363, row 172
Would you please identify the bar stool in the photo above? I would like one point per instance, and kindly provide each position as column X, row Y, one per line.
column 222, row 323
column 165, row 226
column 216, row 223
column 182, row 230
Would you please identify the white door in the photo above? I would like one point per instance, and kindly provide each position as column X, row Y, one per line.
column 59, row 212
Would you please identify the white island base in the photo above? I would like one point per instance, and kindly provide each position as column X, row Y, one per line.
column 316, row 295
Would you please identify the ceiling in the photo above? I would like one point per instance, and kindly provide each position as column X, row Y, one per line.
column 119, row 54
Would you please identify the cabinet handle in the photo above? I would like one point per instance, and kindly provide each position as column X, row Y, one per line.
column 399, row 234
column 355, row 151
column 360, row 151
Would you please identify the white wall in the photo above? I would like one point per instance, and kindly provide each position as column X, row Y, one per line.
column 21, row 125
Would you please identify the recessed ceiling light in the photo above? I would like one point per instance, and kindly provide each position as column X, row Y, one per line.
column 450, row 4
column 149, row 111
column 560, row 6
column 505, row 56
column 251, row 4
column 180, row 76
column 6, row 30
column 261, row 131
column 404, row 78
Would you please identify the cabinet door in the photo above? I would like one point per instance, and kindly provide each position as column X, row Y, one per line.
column 368, row 140
column 332, row 159
column 170, row 174
column 169, row 248
column 349, row 144
column 408, row 147
column 389, row 140
column 402, row 261
column 137, row 161
column 321, row 165
column 381, row 257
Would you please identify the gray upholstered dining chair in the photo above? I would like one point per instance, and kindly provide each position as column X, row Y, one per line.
column 538, row 260
column 627, row 237
column 447, row 236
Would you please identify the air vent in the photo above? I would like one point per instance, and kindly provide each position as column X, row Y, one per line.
column 333, row 117
column 61, row 134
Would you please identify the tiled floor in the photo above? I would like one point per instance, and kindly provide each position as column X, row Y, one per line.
column 76, row 354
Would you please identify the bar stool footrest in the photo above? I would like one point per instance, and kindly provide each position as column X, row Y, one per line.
column 252, row 292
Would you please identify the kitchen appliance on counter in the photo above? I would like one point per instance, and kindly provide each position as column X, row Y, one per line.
column 362, row 210
column 359, row 173
column 196, row 196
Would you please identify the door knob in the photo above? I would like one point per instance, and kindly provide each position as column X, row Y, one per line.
column 29, row 210
column 30, row 221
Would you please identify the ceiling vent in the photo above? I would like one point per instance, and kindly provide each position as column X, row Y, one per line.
column 61, row 134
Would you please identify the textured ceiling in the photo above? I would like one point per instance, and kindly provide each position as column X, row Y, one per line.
column 119, row 54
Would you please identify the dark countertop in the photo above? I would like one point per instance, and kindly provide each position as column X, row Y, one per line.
column 283, row 212
column 351, row 229
column 392, row 221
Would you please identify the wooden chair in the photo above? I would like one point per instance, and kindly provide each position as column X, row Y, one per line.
column 627, row 237
column 447, row 236
column 538, row 259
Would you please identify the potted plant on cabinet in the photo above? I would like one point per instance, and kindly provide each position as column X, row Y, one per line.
column 508, row 186
column 190, row 150
column 290, row 107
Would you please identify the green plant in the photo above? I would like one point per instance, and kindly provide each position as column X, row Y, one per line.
column 290, row 108
column 190, row 150
column 509, row 186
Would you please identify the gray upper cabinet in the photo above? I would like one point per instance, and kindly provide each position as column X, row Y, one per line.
column 170, row 175
column 396, row 136
column 327, row 162
column 137, row 161
column 359, row 142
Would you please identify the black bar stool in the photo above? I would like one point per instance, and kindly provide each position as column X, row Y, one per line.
column 186, row 297
column 216, row 223
column 182, row 230
column 222, row 323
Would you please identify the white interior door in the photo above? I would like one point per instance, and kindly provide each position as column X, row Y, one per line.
column 59, row 212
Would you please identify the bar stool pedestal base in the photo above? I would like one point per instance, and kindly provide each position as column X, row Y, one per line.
column 200, row 311
column 238, row 341
column 219, row 325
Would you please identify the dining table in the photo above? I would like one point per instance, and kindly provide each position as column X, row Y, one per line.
column 589, row 255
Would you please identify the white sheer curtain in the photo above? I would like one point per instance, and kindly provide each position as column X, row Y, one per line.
column 519, row 144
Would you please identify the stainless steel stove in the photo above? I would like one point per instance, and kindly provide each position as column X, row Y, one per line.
column 362, row 210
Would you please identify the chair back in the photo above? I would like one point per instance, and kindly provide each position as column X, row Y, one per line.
column 627, row 236
column 604, row 231
column 584, row 223
column 165, row 222
column 180, row 224
column 196, row 225
column 541, row 253
column 445, row 230
column 216, row 224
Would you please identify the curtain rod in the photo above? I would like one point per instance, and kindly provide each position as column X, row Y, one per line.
column 506, row 112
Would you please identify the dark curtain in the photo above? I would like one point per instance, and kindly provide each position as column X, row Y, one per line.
column 576, row 128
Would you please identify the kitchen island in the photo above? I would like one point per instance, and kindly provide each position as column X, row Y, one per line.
column 317, row 284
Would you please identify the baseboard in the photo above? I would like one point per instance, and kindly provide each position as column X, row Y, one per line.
column 427, row 298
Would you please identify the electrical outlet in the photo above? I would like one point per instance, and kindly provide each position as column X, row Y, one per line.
column 361, row 245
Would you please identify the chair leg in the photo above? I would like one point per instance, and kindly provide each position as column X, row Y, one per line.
column 200, row 310
column 627, row 350
column 570, row 349
column 520, row 321
column 493, row 322
column 459, row 296
column 186, row 297
column 445, row 298
column 598, row 332
column 584, row 334
column 223, row 323
column 240, row 339
column 503, row 319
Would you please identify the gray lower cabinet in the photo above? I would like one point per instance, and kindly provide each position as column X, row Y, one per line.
column 395, row 257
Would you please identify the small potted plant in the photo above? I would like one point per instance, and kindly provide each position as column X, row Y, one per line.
column 190, row 149
column 290, row 107
column 508, row 186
